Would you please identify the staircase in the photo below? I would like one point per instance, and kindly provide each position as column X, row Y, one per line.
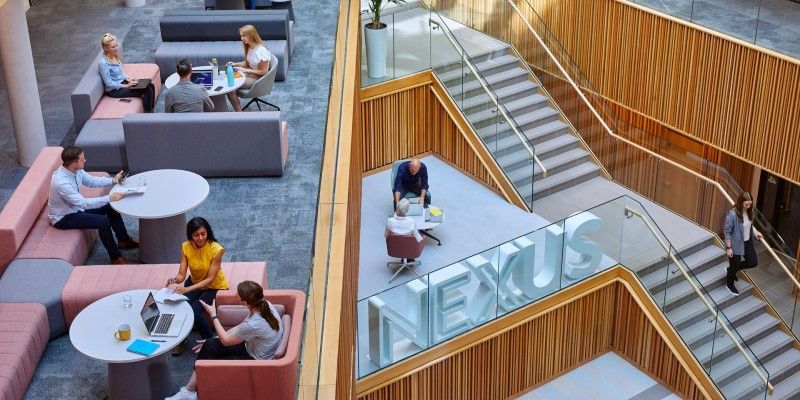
column 569, row 166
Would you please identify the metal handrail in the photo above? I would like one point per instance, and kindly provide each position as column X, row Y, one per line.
column 666, row 248
column 610, row 132
column 485, row 86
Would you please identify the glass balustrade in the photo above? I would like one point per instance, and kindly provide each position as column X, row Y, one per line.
column 414, row 316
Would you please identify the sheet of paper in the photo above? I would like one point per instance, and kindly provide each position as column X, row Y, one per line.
column 166, row 294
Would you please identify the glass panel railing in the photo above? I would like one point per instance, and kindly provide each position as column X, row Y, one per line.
column 774, row 24
column 411, row 317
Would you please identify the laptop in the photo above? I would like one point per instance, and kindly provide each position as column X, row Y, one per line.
column 141, row 84
column 158, row 324
column 415, row 209
column 203, row 78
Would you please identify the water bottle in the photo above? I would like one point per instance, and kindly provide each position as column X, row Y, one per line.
column 214, row 69
column 229, row 72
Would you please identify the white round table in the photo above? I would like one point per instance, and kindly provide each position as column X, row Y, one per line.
column 423, row 226
column 217, row 96
column 161, row 209
column 130, row 375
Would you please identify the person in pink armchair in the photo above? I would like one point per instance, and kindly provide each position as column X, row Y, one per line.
column 256, row 338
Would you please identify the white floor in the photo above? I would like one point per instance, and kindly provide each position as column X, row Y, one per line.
column 608, row 377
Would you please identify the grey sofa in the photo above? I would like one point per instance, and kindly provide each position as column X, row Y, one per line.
column 209, row 144
column 199, row 35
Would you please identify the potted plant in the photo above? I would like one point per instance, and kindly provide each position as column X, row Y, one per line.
column 376, row 38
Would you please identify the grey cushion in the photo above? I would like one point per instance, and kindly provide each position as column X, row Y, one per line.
column 86, row 95
column 38, row 281
column 223, row 25
column 104, row 144
column 209, row 144
column 199, row 53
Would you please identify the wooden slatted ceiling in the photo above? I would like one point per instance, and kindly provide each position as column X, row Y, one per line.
column 724, row 92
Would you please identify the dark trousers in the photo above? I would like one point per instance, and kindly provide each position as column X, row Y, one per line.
column 200, row 322
column 213, row 349
column 147, row 94
column 741, row 261
column 417, row 191
column 105, row 219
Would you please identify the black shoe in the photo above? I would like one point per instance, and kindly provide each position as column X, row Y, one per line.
column 411, row 260
column 736, row 279
column 733, row 289
column 177, row 350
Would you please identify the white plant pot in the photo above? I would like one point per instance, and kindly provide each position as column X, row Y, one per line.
column 376, row 40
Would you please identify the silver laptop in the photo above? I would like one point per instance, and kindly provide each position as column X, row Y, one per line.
column 159, row 324
column 415, row 209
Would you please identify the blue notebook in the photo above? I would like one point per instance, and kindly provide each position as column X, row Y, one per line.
column 143, row 347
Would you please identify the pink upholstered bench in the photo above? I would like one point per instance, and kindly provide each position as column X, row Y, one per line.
column 113, row 108
column 23, row 338
column 25, row 230
column 88, row 283
column 257, row 379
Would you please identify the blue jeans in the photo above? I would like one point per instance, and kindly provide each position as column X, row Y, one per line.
column 250, row 4
column 207, row 295
column 105, row 219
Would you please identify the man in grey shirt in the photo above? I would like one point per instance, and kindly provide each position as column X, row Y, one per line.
column 186, row 96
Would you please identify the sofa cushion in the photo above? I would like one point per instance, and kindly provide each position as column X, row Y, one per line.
column 106, row 107
column 198, row 53
column 114, row 108
column 87, row 93
column 185, row 25
column 104, row 144
column 231, row 315
column 92, row 282
column 23, row 338
column 25, row 205
column 145, row 71
column 37, row 281
column 286, row 321
column 45, row 241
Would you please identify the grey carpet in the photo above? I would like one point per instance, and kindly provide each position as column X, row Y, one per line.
column 270, row 219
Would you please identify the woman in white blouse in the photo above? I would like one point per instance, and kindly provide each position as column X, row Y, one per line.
column 255, row 64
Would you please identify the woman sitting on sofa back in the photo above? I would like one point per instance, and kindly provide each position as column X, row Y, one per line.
column 256, row 338
column 115, row 82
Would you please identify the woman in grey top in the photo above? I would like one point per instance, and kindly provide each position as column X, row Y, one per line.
column 739, row 244
column 256, row 338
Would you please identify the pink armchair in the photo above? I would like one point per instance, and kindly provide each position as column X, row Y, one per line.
column 403, row 247
column 256, row 379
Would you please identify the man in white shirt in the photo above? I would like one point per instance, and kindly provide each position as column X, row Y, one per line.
column 68, row 209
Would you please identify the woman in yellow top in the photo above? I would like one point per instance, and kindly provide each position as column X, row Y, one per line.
column 202, row 256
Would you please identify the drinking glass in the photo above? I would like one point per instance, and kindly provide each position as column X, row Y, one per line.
column 127, row 301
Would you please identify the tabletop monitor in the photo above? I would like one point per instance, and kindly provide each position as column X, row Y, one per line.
column 150, row 312
column 205, row 78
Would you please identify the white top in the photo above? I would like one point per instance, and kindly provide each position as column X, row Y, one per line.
column 260, row 340
column 168, row 192
column 65, row 197
column 256, row 55
column 403, row 226
column 746, row 225
column 92, row 331
column 219, row 80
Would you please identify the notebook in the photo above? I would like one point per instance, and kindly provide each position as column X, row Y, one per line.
column 143, row 347
column 141, row 84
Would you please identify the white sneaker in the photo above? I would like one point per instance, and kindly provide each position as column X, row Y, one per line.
column 183, row 394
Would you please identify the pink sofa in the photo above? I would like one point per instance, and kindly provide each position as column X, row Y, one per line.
column 252, row 380
column 112, row 108
column 25, row 230
column 23, row 338
column 91, row 282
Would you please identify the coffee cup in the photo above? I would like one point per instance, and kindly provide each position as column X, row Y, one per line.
column 123, row 332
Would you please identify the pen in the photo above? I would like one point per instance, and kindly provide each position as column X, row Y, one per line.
column 156, row 340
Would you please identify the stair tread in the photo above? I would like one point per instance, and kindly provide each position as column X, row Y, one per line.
column 503, row 92
column 480, row 66
column 684, row 288
column 689, row 310
column 747, row 331
column 732, row 314
column 731, row 365
column 519, row 119
column 556, row 142
column 705, row 277
column 492, row 80
column 555, row 179
column 789, row 388
column 551, row 163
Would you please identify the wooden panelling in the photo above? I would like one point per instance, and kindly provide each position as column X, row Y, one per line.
column 539, row 342
column 722, row 91
column 401, row 123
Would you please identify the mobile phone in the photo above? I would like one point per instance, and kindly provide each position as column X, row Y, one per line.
column 125, row 100
column 123, row 177
column 218, row 88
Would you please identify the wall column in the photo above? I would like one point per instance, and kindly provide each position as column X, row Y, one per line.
column 20, row 78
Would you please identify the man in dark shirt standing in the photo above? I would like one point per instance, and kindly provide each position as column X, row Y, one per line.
column 412, row 177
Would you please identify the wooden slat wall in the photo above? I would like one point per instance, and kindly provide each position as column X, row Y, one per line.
column 544, row 347
column 407, row 122
column 722, row 91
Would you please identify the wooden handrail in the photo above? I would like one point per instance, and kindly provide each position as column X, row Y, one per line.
column 679, row 264
column 651, row 153
column 488, row 91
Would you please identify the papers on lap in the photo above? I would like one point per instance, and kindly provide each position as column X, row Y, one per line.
column 133, row 190
column 166, row 294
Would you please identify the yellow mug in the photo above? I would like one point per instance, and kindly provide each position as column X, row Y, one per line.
column 123, row 332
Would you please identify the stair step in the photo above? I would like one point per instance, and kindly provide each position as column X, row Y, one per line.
column 693, row 255
column 784, row 390
column 560, row 181
column 475, row 58
column 511, row 92
column 683, row 292
column 696, row 310
column 736, row 366
column 494, row 81
column 753, row 331
column 538, row 114
column 553, row 164
column 737, row 314
column 709, row 278
column 522, row 159
column 488, row 67
column 536, row 136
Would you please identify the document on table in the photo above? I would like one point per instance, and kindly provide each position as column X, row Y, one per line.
column 133, row 190
column 166, row 294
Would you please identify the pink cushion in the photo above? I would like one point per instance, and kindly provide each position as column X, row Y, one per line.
column 23, row 337
column 23, row 208
column 287, row 328
column 231, row 315
column 88, row 283
column 113, row 108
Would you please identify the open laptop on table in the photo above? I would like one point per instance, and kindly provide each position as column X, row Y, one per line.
column 203, row 78
column 158, row 324
column 141, row 84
